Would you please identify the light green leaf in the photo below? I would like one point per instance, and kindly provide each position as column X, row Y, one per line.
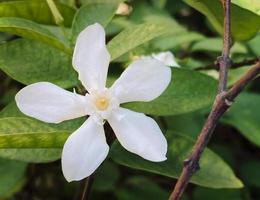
column 254, row 44
column 37, row 11
column 26, row 139
column 35, row 155
column 135, row 36
column 252, row 5
column 244, row 23
column 188, row 91
column 12, row 175
column 29, row 61
column 244, row 115
column 101, row 13
column 31, row 30
column 214, row 172
column 176, row 40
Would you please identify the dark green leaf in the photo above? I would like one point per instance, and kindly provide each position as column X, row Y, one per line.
column 244, row 114
column 12, row 177
column 214, row 172
column 250, row 172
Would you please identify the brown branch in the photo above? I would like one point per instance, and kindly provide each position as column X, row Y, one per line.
column 224, row 60
column 232, row 66
column 222, row 102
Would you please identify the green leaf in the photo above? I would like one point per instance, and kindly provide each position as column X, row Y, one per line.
column 101, row 13
column 140, row 188
column 106, row 177
column 254, row 44
column 244, row 23
column 214, row 172
column 250, row 172
column 252, row 5
column 12, row 177
column 16, row 132
column 36, row 11
column 35, row 155
column 216, row 46
column 201, row 193
column 244, row 115
column 188, row 91
column 29, row 61
column 176, row 40
column 135, row 36
column 26, row 139
column 31, row 30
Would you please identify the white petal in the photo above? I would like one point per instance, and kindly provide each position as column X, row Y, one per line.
column 50, row 103
column 84, row 151
column 139, row 134
column 143, row 80
column 167, row 58
column 91, row 58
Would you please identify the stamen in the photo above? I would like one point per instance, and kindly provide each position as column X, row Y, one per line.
column 102, row 103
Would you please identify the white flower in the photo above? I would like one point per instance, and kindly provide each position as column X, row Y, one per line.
column 165, row 57
column 86, row 148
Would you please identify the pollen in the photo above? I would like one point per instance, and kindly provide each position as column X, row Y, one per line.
column 102, row 103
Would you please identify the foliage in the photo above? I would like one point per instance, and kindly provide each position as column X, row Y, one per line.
column 34, row 48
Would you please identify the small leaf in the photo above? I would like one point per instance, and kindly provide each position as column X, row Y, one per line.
column 187, row 92
column 214, row 172
column 31, row 30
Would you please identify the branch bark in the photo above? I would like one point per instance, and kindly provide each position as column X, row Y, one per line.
column 232, row 66
column 224, row 60
column 221, row 103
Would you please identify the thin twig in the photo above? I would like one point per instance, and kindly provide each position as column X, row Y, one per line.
column 224, row 60
column 86, row 188
column 232, row 66
column 222, row 102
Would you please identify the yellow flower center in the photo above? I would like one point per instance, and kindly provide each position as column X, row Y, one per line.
column 102, row 103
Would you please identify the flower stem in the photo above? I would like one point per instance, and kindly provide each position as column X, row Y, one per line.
column 59, row 20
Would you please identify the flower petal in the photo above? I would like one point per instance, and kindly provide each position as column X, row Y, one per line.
column 91, row 58
column 139, row 134
column 143, row 80
column 50, row 103
column 84, row 151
